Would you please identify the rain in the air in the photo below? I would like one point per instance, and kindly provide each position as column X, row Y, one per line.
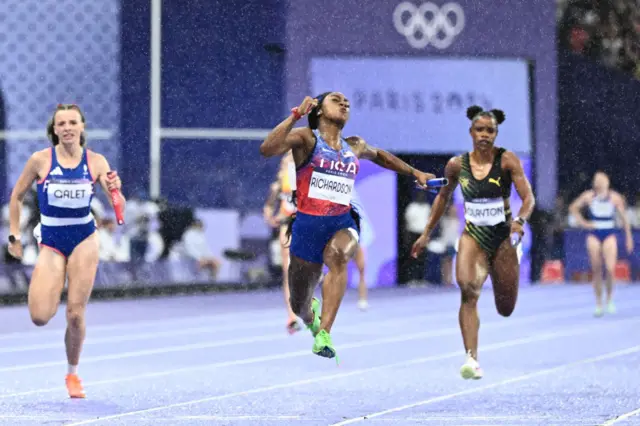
column 320, row 212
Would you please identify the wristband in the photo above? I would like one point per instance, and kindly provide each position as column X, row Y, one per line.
column 295, row 113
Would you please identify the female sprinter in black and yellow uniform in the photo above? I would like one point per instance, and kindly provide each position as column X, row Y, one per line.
column 485, row 176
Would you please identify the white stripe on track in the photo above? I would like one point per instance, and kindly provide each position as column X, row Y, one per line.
column 547, row 371
column 324, row 378
column 295, row 354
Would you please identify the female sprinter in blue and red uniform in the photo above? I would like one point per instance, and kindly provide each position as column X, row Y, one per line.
column 66, row 174
column 325, row 229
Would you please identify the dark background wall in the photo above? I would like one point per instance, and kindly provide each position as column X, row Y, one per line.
column 219, row 69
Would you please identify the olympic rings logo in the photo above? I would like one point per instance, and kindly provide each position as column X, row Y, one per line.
column 428, row 23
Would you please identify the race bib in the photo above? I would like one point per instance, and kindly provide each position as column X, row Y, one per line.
column 488, row 212
column 69, row 196
column 336, row 189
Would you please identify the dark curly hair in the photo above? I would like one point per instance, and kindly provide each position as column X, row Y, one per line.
column 313, row 117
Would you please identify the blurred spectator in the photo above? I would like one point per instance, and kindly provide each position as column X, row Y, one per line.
column 443, row 244
column 146, row 243
column 173, row 222
column 416, row 216
column 194, row 245
column 113, row 247
column 29, row 217
column 606, row 30
column 138, row 206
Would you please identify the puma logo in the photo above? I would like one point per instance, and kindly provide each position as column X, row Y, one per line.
column 496, row 181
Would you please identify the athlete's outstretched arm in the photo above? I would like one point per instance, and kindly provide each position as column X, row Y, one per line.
column 451, row 172
column 440, row 204
column 284, row 137
column 385, row 159
column 27, row 177
column 520, row 181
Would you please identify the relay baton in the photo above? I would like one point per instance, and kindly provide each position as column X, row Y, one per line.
column 434, row 183
column 117, row 203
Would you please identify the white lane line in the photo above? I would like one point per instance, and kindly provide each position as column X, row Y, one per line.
column 413, row 302
column 517, row 379
column 392, row 321
column 458, row 420
column 621, row 417
column 227, row 318
column 324, row 378
column 49, row 418
column 239, row 417
column 221, row 325
column 266, row 338
column 288, row 355
column 503, row 420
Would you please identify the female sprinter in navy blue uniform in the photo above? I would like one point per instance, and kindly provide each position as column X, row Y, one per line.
column 66, row 174
column 325, row 228
column 603, row 205
column 485, row 176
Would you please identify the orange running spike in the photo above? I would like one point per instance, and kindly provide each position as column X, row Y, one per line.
column 74, row 386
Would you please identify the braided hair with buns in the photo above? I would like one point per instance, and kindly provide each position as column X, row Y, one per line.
column 474, row 112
